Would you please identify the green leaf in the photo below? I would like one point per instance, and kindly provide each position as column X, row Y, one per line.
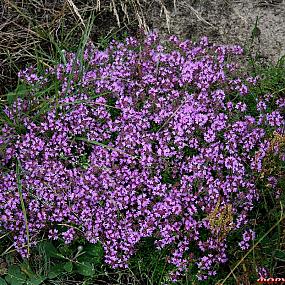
column 95, row 251
column 11, row 97
column 2, row 281
column 85, row 269
column 68, row 266
column 25, row 268
column 55, row 271
column 50, row 250
column 37, row 280
column 65, row 250
column 19, row 92
column 280, row 254
column 15, row 276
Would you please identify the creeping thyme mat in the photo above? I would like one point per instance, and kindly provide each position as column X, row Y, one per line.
column 140, row 140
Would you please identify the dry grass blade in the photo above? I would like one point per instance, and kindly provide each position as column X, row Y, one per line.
column 167, row 13
column 27, row 27
column 76, row 11
column 197, row 14
column 114, row 8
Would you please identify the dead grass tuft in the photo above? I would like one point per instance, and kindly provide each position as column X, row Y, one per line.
column 29, row 28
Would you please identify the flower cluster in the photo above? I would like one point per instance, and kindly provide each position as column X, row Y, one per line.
column 140, row 140
column 247, row 237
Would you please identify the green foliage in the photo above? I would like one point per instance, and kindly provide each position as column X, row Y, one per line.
column 81, row 260
column 93, row 252
column 2, row 281
column 49, row 249
column 20, row 92
column 35, row 281
column 15, row 276
column 55, row 270
column 68, row 266
column 85, row 268
column 149, row 264
column 60, row 260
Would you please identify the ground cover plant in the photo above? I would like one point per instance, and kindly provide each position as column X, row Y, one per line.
column 140, row 141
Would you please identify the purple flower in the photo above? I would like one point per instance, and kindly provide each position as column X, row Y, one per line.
column 142, row 140
column 247, row 236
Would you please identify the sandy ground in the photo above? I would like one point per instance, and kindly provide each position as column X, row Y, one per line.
column 229, row 22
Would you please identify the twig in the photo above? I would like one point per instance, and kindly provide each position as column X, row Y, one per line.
column 198, row 15
column 75, row 9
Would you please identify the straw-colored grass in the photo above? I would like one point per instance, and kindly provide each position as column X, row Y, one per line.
column 27, row 26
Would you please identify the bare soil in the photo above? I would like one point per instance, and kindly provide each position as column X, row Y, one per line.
column 229, row 22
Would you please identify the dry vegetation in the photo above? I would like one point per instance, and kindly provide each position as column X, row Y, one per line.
column 29, row 29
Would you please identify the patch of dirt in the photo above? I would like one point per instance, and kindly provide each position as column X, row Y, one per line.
column 229, row 22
